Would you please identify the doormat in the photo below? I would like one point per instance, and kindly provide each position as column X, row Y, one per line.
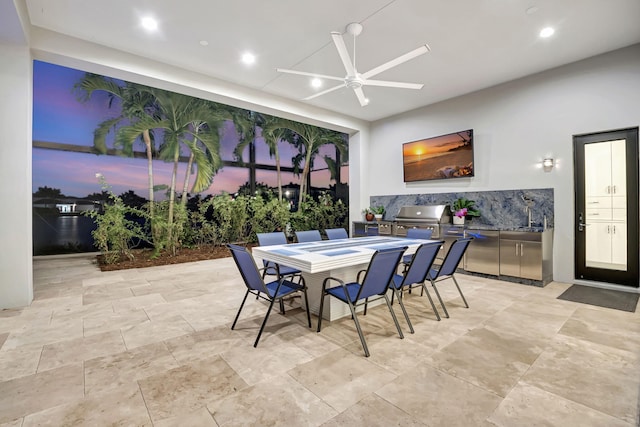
column 618, row 300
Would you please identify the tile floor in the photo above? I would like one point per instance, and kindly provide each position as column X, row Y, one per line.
column 153, row 347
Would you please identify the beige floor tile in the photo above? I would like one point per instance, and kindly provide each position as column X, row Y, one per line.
column 487, row 359
column 522, row 407
column 341, row 378
column 202, row 344
column 19, row 362
column 36, row 337
column 439, row 398
column 109, row 321
column 279, row 401
column 116, row 370
column 613, row 328
column 374, row 411
column 3, row 338
column 590, row 374
column 153, row 331
column 200, row 417
column 122, row 407
column 134, row 303
column 80, row 349
column 100, row 293
column 34, row 393
column 187, row 388
column 14, row 423
column 273, row 357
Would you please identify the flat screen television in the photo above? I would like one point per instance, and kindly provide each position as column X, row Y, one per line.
column 441, row 157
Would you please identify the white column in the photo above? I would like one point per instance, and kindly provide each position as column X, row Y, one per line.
column 16, row 275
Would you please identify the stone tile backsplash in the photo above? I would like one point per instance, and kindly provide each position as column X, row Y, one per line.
column 504, row 208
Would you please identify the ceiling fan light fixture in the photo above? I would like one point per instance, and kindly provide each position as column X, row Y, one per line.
column 355, row 80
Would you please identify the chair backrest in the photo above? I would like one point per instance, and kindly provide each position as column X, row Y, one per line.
column 381, row 269
column 419, row 233
column 270, row 239
column 453, row 257
column 308, row 236
column 421, row 263
column 248, row 268
column 336, row 233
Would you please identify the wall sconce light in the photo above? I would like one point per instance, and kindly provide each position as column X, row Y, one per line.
column 547, row 164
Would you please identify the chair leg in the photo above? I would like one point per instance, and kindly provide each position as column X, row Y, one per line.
column 240, row 309
column 358, row 328
column 393, row 314
column 281, row 306
column 433, row 306
column 460, row 291
column 264, row 322
column 404, row 310
column 306, row 303
column 446, row 314
column 322, row 296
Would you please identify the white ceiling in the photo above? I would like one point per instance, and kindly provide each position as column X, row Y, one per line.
column 474, row 43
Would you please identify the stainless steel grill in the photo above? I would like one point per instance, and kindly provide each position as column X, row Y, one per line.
column 428, row 217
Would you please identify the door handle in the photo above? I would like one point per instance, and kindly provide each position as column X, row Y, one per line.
column 516, row 249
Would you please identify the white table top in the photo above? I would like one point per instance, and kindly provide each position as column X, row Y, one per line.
column 325, row 255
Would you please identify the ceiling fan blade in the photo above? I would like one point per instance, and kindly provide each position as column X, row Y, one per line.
column 331, row 89
column 304, row 73
column 344, row 54
column 399, row 60
column 360, row 94
column 400, row 85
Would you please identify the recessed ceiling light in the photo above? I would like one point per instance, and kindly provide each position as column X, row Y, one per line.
column 547, row 32
column 204, row 43
column 148, row 23
column 316, row 82
column 366, row 101
column 248, row 58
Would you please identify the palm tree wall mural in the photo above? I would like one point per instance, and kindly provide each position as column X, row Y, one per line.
column 218, row 148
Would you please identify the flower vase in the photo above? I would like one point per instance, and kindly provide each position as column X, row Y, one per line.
column 458, row 220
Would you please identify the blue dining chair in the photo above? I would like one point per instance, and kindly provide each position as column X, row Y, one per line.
column 308, row 236
column 448, row 269
column 271, row 291
column 375, row 284
column 416, row 275
column 270, row 267
column 416, row 233
column 336, row 233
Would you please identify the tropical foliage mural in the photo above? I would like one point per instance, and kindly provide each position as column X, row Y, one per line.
column 123, row 165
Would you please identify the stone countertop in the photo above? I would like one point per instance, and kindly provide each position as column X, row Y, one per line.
column 495, row 227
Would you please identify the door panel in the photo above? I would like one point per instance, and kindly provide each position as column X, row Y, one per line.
column 531, row 260
column 606, row 206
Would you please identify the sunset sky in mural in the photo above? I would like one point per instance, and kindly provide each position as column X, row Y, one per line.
column 59, row 117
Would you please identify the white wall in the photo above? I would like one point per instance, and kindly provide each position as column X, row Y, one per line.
column 15, row 176
column 516, row 125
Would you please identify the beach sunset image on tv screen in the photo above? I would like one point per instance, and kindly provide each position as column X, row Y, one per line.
column 440, row 157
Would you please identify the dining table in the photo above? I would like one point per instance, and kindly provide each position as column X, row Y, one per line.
column 341, row 258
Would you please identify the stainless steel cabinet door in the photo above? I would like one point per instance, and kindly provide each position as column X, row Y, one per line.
column 531, row 260
column 510, row 258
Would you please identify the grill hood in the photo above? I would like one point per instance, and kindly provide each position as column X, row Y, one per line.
column 430, row 213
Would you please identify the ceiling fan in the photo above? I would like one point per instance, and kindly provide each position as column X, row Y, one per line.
column 354, row 79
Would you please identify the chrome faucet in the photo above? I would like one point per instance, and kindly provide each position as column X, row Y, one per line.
column 528, row 205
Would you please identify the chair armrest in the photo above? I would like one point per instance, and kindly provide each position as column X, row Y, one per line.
column 359, row 273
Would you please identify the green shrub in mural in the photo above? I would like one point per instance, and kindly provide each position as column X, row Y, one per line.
column 117, row 232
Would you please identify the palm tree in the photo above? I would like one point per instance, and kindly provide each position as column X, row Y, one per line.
column 137, row 104
column 310, row 139
column 188, row 122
